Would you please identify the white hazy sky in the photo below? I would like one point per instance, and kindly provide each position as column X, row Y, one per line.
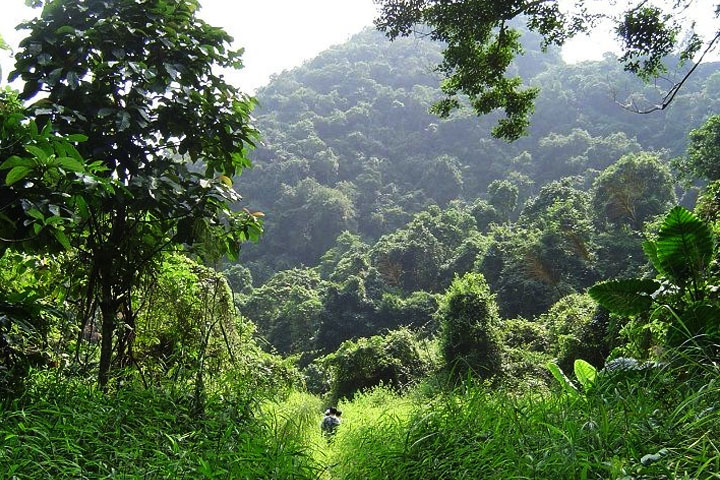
column 281, row 34
column 277, row 34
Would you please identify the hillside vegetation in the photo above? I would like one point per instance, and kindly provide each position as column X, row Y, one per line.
column 546, row 308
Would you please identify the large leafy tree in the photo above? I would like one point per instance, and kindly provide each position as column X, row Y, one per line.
column 139, row 79
column 633, row 190
column 482, row 40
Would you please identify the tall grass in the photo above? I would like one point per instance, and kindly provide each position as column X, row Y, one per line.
column 660, row 423
column 68, row 429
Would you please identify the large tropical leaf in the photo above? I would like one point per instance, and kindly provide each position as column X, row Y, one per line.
column 625, row 297
column 650, row 249
column 564, row 381
column 684, row 245
column 585, row 373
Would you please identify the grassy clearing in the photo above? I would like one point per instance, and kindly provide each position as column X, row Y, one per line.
column 645, row 427
column 70, row 430
column 656, row 424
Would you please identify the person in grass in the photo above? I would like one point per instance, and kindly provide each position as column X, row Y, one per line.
column 331, row 421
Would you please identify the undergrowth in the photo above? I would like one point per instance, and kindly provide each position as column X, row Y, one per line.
column 69, row 429
column 661, row 423
column 655, row 423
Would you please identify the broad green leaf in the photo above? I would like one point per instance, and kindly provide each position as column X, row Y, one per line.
column 585, row 373
column 562, row 379
column 17, row 174
column 625, row 297
column 70, row 164
column 16, row 161
column 684, row 245
column 62, row 238
column 650, row 249
column 37, row 152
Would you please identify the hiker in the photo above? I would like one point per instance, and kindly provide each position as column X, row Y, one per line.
column 331, row 421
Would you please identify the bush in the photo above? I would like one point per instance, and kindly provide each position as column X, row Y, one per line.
column 470, row 338
column 577, row 329
column 417, row 311
column 395, row 360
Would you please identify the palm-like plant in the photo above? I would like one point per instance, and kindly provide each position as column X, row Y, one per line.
column 682, row 254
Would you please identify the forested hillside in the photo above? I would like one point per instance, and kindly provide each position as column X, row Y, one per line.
column 376, row 205
column 348, row 143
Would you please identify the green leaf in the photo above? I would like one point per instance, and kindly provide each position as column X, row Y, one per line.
column 17, row 174
column 64, row 30
column 16, row 161
column 562, row 379
column 684, row 245
column 76, row 137
column 70, row 164
column 62, row 238
column 650, row 249
column 585, row 373
column 73, row 80
column 37, row 214
column 37, row 152
column 625, row 297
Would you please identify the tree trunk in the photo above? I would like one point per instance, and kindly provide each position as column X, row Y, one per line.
column 108, row 308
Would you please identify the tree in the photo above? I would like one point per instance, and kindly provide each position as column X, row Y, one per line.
column 137, row 78
column 633, row 190
column 703, row 153
column 503, row 196
column 482, row 39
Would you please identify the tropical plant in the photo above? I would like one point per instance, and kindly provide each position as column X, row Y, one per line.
column 684, row 295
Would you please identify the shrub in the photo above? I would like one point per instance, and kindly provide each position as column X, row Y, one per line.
column 395, row 360
column 577, row 329
column 469, row 326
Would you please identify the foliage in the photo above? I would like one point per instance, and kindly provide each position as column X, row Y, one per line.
column 32, row 321
column 703, row 152
column 577, row 330
column 44, row 181
column 708, row 205
column 468, row 316
column 286, row 309
column 482, row 38
column 684, row 295
column 364, row 105
column 394, row 360
column 633, row 190
column 503, row 196
column 141, row 87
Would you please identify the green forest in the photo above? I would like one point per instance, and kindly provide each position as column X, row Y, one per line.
column 495, row 264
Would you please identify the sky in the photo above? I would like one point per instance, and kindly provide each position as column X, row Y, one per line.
column 278, row 35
